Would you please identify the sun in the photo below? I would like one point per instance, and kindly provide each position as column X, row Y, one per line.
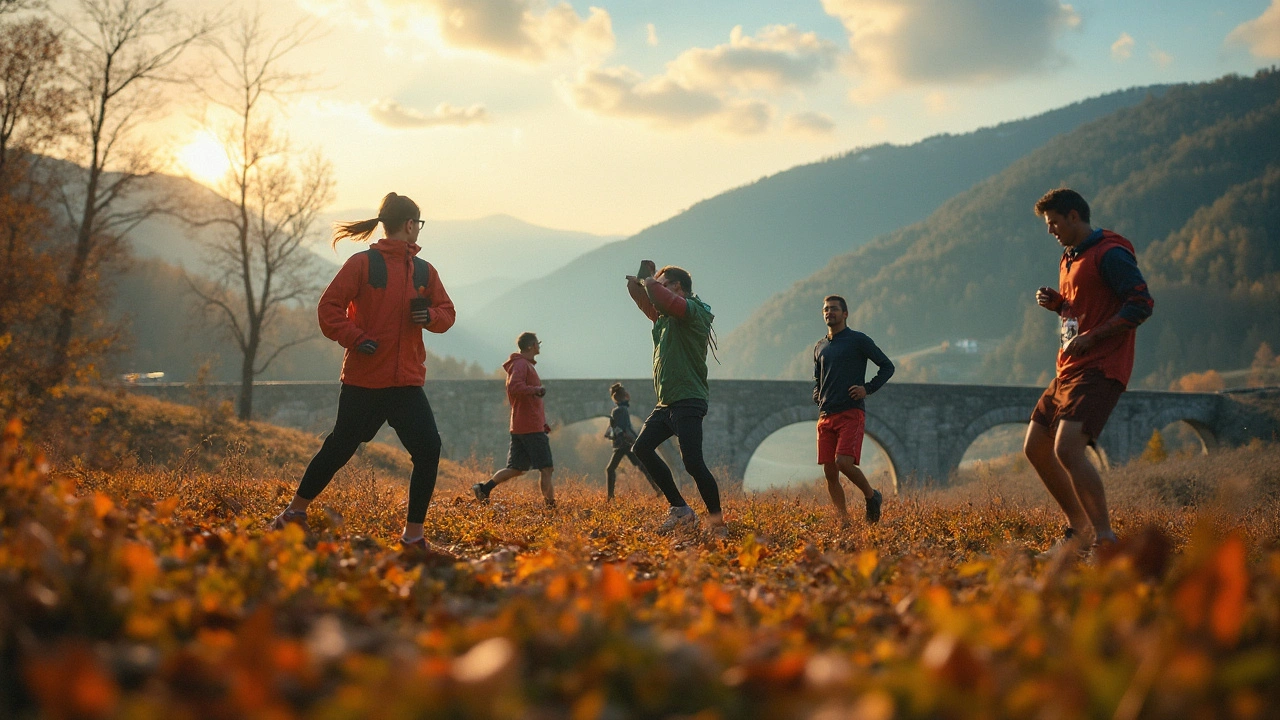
column 205, row 158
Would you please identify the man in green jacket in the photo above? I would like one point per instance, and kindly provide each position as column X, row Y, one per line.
column 681, row 333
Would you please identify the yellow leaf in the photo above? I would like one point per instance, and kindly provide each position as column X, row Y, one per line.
column 866, row 562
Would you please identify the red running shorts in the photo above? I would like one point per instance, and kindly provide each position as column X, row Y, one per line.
column 841, row 434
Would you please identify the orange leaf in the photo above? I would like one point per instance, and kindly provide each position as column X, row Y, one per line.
column 165, row 508
column 140, row 562
column 1227, row 612
column 102, row 505
column 717, row 598
column 71, row 683
column 614, row 585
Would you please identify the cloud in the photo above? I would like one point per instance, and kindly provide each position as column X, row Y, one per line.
column 937, row 102
column 653, row 34
column 1260, row 35
column 714, row 85
column 1122, row 48
column 663, row 102
column 1160, row 57
column 780, row 56
column 912, row 42
column 528, row 31
column 394, row 115
column 815, row 124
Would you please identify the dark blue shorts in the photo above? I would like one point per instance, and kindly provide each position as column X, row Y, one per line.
column 529, row 451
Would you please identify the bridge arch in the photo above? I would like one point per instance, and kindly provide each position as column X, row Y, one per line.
column 1197, row 421
column 1009, row 414
column 876, row 429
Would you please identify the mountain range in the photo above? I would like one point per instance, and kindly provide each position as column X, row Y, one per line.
column 744, row 245
column 1189, row 176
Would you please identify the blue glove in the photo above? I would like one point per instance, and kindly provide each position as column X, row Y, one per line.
column 368, row 347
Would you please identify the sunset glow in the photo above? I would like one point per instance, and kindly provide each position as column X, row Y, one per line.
column 204, row 158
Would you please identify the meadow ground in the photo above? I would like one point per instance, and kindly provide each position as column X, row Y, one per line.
column 138, row 581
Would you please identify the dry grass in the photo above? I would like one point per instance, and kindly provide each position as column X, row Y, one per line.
column 155, row 590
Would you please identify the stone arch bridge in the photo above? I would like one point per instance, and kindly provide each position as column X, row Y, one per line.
column 925, row 429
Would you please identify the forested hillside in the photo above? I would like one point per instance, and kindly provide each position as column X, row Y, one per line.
column 746, row 244
column 1190, row 177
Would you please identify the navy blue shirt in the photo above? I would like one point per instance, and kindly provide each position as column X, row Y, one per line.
column 840, row 363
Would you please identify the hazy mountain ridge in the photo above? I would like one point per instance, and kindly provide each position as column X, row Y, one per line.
column 746, row 244
column 969, row 270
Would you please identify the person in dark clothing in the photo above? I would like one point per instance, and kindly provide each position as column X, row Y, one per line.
column 840, row 390
column 1100, row 301
column 622, row 436
column 681, row 336
column 377, row 307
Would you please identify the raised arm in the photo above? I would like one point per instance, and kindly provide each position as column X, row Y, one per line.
column 667, row 302
column 636, row 289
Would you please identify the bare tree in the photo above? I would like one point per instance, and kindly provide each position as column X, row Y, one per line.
column 13, row 6
column 261, row 258
column 120, row 57
column 33, row 113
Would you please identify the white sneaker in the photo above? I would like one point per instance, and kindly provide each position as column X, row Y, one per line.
column 678, row 517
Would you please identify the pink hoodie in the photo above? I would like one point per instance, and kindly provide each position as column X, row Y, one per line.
column 527, row 415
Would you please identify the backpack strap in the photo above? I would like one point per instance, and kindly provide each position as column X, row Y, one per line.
column 378, row 270
column 421, row 273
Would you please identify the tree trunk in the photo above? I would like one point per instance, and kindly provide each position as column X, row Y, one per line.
column 57, row 368
column 245, row 407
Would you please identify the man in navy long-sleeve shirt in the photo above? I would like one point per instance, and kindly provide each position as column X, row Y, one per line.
column 840, row 390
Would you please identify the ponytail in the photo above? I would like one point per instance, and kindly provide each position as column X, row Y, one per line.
column 395, row 211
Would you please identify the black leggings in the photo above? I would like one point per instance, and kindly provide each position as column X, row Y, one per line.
column 611, row 472
column 361, row 413
column 683, row 419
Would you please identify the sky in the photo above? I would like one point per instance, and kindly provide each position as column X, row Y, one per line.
column 611, row 116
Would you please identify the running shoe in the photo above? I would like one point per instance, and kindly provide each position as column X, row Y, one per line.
column 678, row 517
column 481, row 494
column 873, row 506
column 297, row 517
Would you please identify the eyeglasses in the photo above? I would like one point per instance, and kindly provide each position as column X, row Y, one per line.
column 421, row 223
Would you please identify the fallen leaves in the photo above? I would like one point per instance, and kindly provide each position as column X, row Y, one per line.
column 122, row 603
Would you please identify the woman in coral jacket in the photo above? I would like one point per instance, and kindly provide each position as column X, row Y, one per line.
column 377, row 307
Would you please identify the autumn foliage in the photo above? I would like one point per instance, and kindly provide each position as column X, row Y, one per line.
column 156, row 592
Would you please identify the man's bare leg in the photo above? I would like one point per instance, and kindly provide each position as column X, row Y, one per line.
column 1038, row 446
column 544, row 483
column 836, row 490
column 854, row 473
column 1070, row 449
column 504, row 475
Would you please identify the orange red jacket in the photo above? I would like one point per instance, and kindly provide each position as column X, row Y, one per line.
column 351, row 311
column 1091, row 300
column 523, row 383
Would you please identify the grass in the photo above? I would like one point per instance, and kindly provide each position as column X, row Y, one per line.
column 150, row 588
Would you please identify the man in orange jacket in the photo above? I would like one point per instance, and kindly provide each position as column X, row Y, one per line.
column 530, row 447
column 1100, row 301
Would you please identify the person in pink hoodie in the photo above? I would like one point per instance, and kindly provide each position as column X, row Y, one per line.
column 530, row 447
